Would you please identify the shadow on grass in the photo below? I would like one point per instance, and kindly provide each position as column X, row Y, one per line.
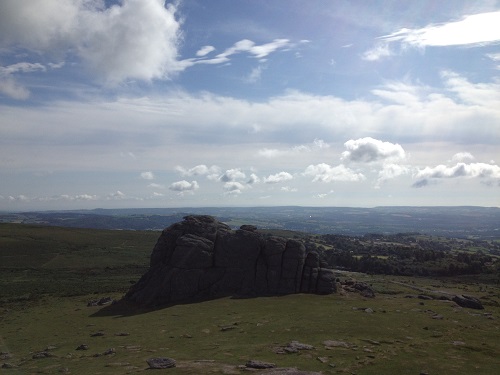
column 123, row 308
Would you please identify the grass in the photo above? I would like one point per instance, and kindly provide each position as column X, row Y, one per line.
column 399, row 336
column 396, row 335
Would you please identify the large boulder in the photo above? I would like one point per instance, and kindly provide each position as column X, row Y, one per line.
column 202, row 258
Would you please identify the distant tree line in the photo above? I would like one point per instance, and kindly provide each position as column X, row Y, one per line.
column 404, row 254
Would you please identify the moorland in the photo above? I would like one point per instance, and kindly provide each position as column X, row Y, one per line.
column 48, row 275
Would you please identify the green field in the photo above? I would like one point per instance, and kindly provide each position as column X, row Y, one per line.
column 49, row 274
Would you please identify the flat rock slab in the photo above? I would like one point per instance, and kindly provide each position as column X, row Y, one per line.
column 259, row 364
column 161, row 363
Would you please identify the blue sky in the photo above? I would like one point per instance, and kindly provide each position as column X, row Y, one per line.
column 146, row 103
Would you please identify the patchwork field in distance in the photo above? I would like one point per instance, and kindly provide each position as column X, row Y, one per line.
column 45, row 290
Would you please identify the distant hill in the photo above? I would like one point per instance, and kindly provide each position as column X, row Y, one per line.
column 464, row 222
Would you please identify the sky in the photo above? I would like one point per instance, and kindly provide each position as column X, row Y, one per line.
column 193, row 103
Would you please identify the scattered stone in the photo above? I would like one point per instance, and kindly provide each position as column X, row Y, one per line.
column 50, row 347
column 299, row 346
column 468, row 301
column 292, row 347
column 458, row 343
column 97, row 334
column 228, row 328
column 110, row 351
column 41, row 355
column 100, row 302
column 160, row 363
column 122, row 334
column 335, row 344
column 8, row 366
column 5, row 355
column 438, row 317
column 322, row 359
column 82, row 347
column 259, row 364
column 368, row 310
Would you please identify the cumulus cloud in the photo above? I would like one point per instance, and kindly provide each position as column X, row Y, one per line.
column 234, row 187
column 233, row 175
column 184, row 186
column 109, row 40
column 278, row 177
column 147, row 175
column 288, row 189
column 326, row 173
column 367, row 150
column 254, row 179
column 199, row 170
column 156, row 186
column 471, row 170
column 484, row 171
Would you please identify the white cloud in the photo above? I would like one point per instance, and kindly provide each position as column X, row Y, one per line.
column 255, row 74
column 278, row 177
column 243, row 46
column 378, row 52
column 326, row 173
column 289, row 189
column 391, row 171
column 117, row 195
column 184, row 186
column 234, row 187
column 462, row 156
column 199, row 170
column 367, row 150
column 470, row 30
column 233, row 175
column 8, row 84
column 494, row 57
column 487, row 172
column 481, row 170
column 254, row 179
column 205, row 50
column 147, row 175
column 110, row 41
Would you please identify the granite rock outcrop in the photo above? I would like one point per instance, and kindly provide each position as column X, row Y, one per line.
column 202, row 258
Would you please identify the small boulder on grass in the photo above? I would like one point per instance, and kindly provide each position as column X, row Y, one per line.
column 259, row 364
column 160, row 363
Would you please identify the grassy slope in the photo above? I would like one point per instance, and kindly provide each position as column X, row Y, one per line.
column 401, row 335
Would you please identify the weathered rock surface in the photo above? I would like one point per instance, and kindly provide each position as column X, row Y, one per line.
column 468, row 301
column 202, row 258
column 160, row 363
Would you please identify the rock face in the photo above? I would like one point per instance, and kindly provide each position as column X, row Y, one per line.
column 202, row 258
